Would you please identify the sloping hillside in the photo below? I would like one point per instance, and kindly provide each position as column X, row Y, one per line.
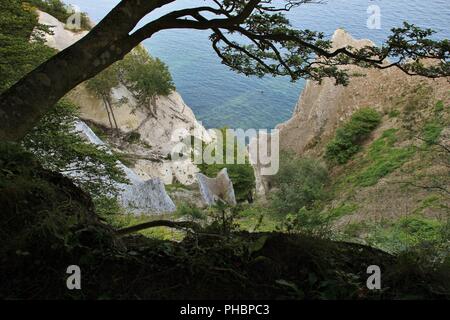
column 156, row 135
column 400, row 176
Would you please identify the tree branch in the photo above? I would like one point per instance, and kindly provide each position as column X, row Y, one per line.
column 160, row 223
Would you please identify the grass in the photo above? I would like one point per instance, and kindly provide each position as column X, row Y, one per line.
column 439, row 106
column 431, row 132
column 405, row 233
column 259, row 218
column 394, row 113
column 348, row 139
column 162, row 233
column 382, row 159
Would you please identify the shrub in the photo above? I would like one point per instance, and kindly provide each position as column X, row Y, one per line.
column 133, row 137
column 57, row 146
column 406, row 233
column 300, row 183
column 190, row 211
column 308, row 222
column 349, row 137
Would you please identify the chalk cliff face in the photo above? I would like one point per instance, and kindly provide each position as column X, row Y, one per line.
column 322, row 107
column 139, row 196
column 174, row 120
column 407, row 104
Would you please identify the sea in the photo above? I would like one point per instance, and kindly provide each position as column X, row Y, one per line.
column 220, row 97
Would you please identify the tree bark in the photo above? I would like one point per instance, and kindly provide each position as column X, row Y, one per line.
column 22, row 105
column 107, row 111
column 160, row 223
column 108, row 100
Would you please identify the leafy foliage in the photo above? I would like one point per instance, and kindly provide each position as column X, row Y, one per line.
column 18, row 55
column 59, row 10
column 349, row 137
column 146, row 77
column 270, row 45
column 58, row 147
column 406, row 233
column 300, row 182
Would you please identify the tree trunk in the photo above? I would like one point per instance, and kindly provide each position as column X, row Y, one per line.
column 107, row 111
column 22, row 105
column 28, row 100
column 108, row 100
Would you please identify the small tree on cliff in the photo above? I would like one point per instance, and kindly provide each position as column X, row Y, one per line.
column 146, row 77
column 101, row 85
column 267, row 45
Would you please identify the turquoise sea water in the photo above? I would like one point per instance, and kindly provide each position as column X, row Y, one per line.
column 220, row 97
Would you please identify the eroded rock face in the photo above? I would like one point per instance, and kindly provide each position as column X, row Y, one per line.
column 322, row 108
column 173, row 122
column 139, row 196
column 61, row 37
column 218, row 188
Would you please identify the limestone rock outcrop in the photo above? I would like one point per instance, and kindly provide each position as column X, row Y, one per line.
column 218, row 188
column 139, row 196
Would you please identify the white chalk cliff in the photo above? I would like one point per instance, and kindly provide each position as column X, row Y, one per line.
column 174, row 119
column 139, row 196
column 322, row 108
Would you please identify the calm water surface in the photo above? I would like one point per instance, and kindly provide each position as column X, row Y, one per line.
column 220, row 97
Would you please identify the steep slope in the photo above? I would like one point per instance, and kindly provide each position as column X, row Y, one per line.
column 157, row 135
column 322, row 107
column 403, row 169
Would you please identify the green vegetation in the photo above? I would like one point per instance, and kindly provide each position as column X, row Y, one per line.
column 439, row 106
column 101, row 86
column 58, row 147
column 405, row 233
column 349, row 137
column 393, row 113
column 59, row 10
column 190, row 211
column 18, row 55
column 431, row 132
column 146, row 77
column 299, row 183
column 119, row 221
column 382, row 158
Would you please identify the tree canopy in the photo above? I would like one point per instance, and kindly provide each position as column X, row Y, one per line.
column 267, row 44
